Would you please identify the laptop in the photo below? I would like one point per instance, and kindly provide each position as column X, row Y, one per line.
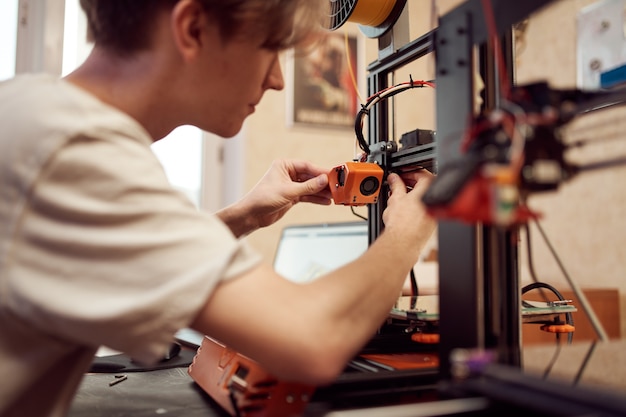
column 305, row 252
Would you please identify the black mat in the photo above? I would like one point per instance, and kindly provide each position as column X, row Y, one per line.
column 122, row 363
column 170, row 392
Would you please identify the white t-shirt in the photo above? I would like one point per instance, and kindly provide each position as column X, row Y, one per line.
column 96, row 247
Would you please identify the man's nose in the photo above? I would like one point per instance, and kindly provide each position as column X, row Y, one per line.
column 275, row 78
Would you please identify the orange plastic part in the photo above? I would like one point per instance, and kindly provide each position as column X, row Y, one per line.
column 558, row 328
column 475, row 203
column 403, row 361
column 355, row 183
column 428, row 338
column 233, row 380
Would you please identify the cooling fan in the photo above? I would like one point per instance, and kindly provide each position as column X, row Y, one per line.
column 375, row 17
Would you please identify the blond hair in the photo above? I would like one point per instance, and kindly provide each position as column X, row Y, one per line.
column 124, row 26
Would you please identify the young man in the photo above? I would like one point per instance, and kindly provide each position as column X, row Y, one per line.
column 96, row 247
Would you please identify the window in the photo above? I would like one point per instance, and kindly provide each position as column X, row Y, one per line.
column 8, row 38
column 181, row 155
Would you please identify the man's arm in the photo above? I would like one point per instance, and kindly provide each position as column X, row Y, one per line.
column 309, row 332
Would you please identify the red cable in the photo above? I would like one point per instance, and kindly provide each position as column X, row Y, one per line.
column 496, row 49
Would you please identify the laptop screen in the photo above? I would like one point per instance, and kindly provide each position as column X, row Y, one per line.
column 307, row 251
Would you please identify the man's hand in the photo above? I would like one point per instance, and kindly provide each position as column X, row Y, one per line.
column 405, row 211
column 285, row 184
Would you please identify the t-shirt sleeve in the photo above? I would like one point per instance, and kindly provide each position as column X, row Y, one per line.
column 108, row 253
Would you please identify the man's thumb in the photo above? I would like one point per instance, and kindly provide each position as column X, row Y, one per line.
column 395, row 183
column 315, row 184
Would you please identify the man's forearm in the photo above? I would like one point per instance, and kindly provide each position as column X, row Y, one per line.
column 238, row 220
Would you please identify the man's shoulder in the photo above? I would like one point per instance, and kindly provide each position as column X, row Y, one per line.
column 38, row 92
column 43, row 97
column 43, row 106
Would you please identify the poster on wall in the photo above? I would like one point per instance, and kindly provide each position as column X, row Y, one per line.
column 323, row 82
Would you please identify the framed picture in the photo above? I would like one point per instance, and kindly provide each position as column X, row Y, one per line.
column 322, row 83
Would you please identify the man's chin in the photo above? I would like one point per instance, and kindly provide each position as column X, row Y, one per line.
column 231, row 134
column 227, row 132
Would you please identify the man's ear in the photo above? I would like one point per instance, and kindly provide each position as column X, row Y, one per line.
column 188, row 22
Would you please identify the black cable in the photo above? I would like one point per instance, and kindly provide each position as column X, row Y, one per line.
column 569, row 319
column 536, row 285
column 358, row 130
column 357, row 214
column 414, row 289
column 585, row 362
column 555, row 356
column 568, row 316
column 531, row 264
column 364, row 111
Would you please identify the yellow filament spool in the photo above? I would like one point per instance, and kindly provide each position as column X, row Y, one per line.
column 371, row 12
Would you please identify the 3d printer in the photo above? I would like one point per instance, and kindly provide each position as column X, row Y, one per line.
column 509, row 150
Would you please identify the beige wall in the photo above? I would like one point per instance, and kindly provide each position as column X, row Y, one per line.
column 268, row 136
column 584, row 219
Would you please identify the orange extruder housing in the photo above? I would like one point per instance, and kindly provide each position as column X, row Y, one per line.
column 241, row 387
column 355, row 183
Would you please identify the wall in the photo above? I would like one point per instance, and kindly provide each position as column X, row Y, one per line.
column 584, row 219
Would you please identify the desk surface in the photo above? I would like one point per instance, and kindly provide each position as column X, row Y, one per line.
column 172, row 392
column 168, row 392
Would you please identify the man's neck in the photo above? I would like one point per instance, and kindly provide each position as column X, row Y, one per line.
column 138, row 86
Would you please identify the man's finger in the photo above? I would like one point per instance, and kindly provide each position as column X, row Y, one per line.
column 396, row 184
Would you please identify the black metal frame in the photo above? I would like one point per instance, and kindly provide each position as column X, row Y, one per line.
column 479, row 295
column 478, row 271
